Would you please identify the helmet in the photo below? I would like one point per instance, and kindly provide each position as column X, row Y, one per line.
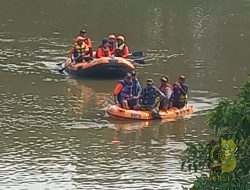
column 111, row 36
column 79, row 39
column 105, row 41
column 120, row 38
column 182, row 76
column 83, row 31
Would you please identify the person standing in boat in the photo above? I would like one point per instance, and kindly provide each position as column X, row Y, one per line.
column 112, row 43
column 79, row 51
column 103, row 49
column 122, row 49
column 179, row 96
column 87, row 41
column 149, row 98
column 123, row 92
column 167, row 90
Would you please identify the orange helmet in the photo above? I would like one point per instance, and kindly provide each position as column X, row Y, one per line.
column 79, row 39
column 120, row 38
column 111, row 36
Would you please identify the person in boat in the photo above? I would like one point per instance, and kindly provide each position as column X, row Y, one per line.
column 112, row 43
column 87, row 41
column 149, row 98
column 136, row 90
column 167, row 90
column 103, row 49
column 79, row 51
column 179, row 96
column 123, row 92
column 122, row 49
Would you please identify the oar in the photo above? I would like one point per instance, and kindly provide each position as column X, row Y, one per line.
column 137, row 54
column 139, row 61
column 74, row 60
column 65, row 67
column 58, row 64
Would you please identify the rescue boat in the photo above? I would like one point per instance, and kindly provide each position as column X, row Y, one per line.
column 115, row 111
column 105, row 67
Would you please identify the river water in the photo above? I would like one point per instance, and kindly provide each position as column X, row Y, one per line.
column 55, row 133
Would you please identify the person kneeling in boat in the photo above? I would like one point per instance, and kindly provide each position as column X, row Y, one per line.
column 167, row 90
column 103, row 50
column 123, row 92
column 149, row 98
column 122, row 49
column 78, row 52
column 179, row 97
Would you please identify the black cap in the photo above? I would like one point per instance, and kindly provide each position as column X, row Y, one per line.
column 128, row 75
column 133, row 73
column 83, row 31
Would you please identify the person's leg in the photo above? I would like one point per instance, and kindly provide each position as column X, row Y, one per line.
column 155, row 112
column 125, row 104
column 78, row 59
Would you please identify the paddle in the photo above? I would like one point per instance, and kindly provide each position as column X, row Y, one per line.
column 58, row 64
column 137, row 54
column 66, row 66
column 139, row 61
column 87, row 59
column 62, row 69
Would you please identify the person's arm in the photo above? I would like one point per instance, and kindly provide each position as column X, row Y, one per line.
column 89, row 43
column 139, row 90
column 168, row 93
column 107, row 52
column 90, row 51
column 183, row 89
column 86, row 49
column 98, row 53
column 160, row 93
column 71, row 52
column 125, row 52
column 117, row 90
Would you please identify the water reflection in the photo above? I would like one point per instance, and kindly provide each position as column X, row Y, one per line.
column 84, row 99
column 148, row 133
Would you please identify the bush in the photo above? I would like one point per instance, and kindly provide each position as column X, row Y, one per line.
column 227, row 158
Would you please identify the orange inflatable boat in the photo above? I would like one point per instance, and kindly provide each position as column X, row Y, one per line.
column 118, row 112
column 105, row 67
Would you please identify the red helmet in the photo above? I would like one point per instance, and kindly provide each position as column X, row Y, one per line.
column 79, row 39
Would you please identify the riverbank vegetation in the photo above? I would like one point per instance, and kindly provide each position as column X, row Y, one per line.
column 224, row 161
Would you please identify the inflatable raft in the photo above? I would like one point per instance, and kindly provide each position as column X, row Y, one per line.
column 105, row 67
column 172, row 113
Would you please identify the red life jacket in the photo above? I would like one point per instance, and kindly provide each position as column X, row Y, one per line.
column 101, row 52
column 162, row 87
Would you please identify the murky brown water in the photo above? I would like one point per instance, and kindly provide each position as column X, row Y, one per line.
column 55, row 133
